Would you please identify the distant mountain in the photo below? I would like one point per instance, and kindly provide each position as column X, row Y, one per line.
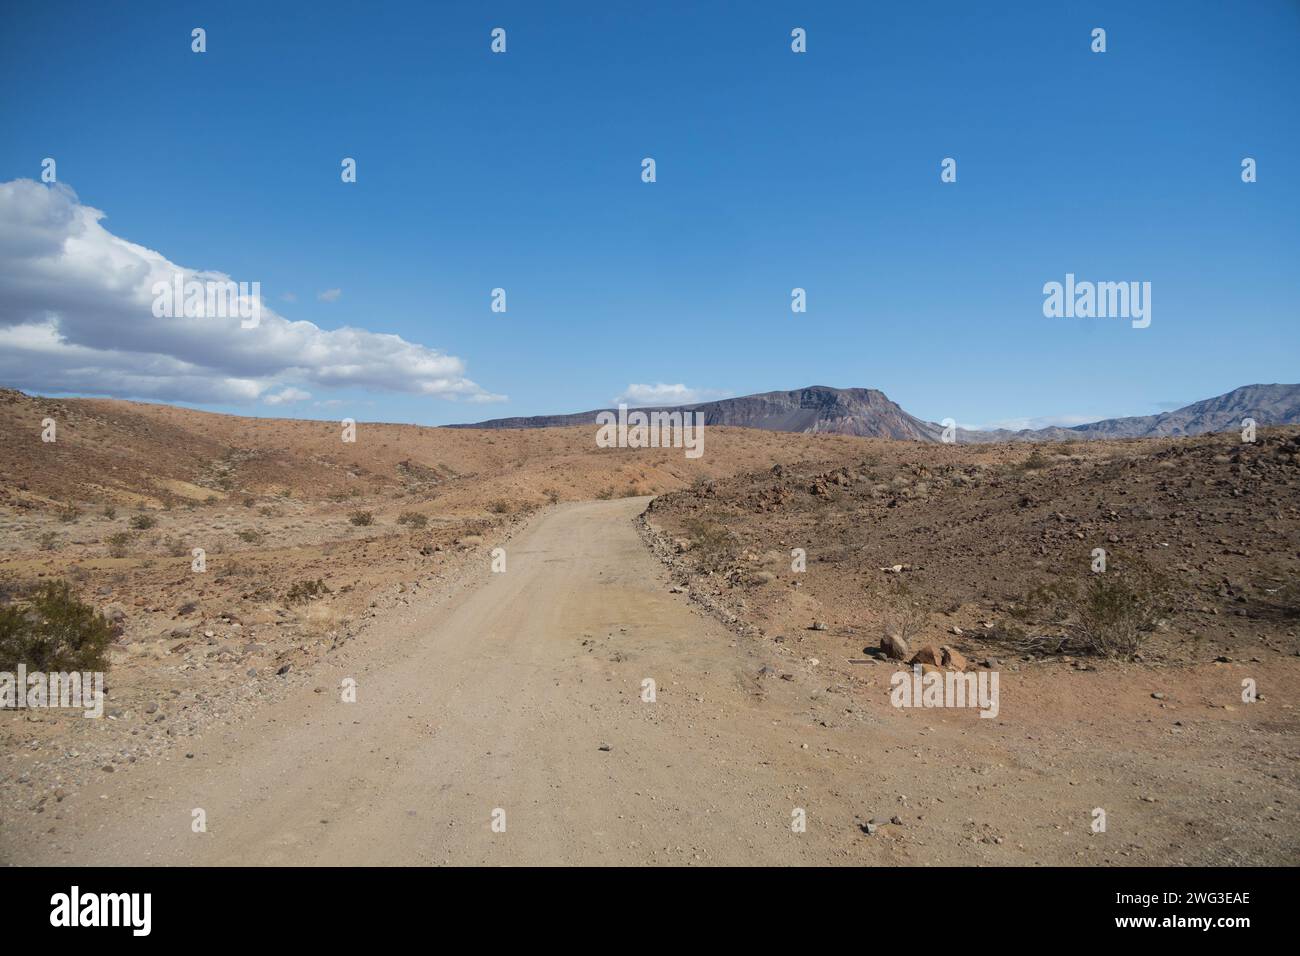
column 1266, row 404
column 869, row 413
column 838, row 411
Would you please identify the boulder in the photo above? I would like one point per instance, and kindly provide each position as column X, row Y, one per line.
column 929, row 654
column 895, row 647
column 952, row 658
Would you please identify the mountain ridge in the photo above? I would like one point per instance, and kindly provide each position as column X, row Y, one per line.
column 869, row 413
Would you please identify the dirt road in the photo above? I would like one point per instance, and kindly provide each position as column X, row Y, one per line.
column 523, row 694
column 501, row 701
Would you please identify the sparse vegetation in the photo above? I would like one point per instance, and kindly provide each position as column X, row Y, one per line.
column 711, row 544
column 143, row 522
column 69, row 513
column 301, row 592
column 362, row 519
column 499, row 507
column 49, row 541
column 1110, row 614
column 53, row 631
column 248, row 535
column 414, row 519
column 1035, row 462
column 118, row 543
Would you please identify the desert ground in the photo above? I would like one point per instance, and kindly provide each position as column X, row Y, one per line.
column 486, row 696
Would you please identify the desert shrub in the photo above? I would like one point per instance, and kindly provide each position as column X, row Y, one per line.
column 266, row 511
column 413, row 518
column 249, row 502
column 1110, row 613
column 69, row 513
column 49, row 541
column 143, row 522
column 362, row 519
column 711, row 543
column 249, row 536
column 300, row 592
column 175, row 547
column 906, row 620
column 499, row 507
column 118, row 543
column 53, row 631
column 110, row 512
column 1035, row 462
column 552, row 495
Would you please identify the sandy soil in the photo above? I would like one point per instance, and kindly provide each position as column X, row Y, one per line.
column 507, row 696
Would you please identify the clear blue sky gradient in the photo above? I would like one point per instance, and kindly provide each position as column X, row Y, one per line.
column 775, row 170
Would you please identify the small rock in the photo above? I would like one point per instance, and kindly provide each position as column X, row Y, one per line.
column 929, row 654
column 895, row 647
column 953, row 658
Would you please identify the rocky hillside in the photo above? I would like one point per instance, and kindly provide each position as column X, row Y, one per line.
column 869, row 413
column 959, row 538
column 1266, row 404
column 818, row 409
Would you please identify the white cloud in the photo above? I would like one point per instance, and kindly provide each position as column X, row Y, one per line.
column 661, row 394
column 287, row 396
column 290, row 297
column 1042, row 421
column 329, row 295
column 76, row 316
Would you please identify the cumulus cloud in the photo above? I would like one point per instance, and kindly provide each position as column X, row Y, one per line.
column 287, row 396
column 661, row 394
column 76, row 315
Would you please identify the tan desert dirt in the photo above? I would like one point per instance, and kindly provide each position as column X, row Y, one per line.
column 525, row 695
column 522, row 691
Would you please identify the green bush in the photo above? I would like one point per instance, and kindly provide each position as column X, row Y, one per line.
column 1111, row 613
column 53, row 631
column 118, row 544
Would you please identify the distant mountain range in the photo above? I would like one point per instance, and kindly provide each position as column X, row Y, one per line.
column 871, row 414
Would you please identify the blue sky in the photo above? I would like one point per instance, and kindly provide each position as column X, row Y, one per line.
column 774, row 169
